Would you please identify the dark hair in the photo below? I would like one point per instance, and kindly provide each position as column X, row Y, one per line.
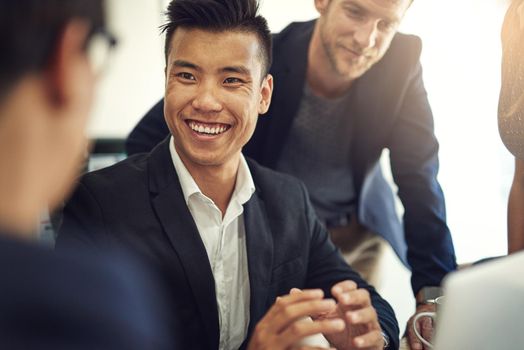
column 511, row 99
column 218, row 16
column 30, row 29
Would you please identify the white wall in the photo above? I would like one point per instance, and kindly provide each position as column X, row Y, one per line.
column 461, row 59
column 134, row 79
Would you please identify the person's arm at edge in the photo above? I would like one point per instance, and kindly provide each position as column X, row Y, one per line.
column 414, row 164
column 516, row 210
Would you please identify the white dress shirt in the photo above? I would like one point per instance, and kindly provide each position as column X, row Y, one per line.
column 225, row 243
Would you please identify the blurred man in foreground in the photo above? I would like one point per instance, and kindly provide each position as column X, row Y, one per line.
column 49, row 57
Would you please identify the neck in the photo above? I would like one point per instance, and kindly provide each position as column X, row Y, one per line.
column 22, row 192
column 217, row 182
column 322, row 78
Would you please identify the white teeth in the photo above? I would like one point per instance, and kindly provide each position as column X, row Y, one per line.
column 216, row 130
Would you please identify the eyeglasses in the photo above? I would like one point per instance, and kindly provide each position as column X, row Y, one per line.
column 99, row 48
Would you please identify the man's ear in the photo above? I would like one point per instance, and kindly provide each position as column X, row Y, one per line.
column 67, row 62
column 266, row 92
column 321, row 6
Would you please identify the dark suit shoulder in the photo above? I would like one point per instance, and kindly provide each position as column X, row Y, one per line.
column 405, row 48
column 133, row 164
column 398, row 66
column 89, row 302
column 120, row 175
column 291, row 30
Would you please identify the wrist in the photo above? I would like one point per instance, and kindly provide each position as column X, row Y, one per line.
column 427, row 295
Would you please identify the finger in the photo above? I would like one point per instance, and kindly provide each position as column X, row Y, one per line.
column 296, row 311
column 301, row 329
column 414, row 343
column 370, row 340
column 283, row 301
column 355, row 299
column 312, row 315
column 366, row 316
column 344, row 286
column 426, row 324
column 295, row 291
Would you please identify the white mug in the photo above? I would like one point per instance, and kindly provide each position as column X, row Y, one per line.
column 433, row 315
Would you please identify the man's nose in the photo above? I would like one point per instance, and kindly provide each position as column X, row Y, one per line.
column 206, row 100
column 366, row 35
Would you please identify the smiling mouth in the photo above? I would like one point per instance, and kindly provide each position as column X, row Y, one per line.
column 207, row 129
column 353, row 52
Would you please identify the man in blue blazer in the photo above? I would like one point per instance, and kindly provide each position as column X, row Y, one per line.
column 50, row 300
column 380, row 102
column 241, row 244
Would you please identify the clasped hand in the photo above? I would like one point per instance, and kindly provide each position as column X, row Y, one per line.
column 348, row 321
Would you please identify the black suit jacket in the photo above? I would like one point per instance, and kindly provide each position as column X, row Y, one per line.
column 139, row 204
column 63, row 301
column 391, row 111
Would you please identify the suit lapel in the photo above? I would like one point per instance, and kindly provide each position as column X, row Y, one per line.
column 371, row 116
column 174, row 216
column 364, row 110
column 260, row 256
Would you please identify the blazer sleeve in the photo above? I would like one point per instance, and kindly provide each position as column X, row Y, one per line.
column 327, row 267
column 150, row 131
column 85, row 231
column 414, row 164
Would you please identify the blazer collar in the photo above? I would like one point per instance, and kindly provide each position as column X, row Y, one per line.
column 169, row 204
column 174, row 216
column 259, row 240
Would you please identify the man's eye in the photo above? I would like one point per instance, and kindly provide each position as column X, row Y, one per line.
column 185, row 76
column 353, row 13
column 232, row 81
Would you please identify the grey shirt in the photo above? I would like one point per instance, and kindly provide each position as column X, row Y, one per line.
column 318, row 151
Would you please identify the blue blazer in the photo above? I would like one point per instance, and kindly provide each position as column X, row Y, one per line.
column 391, row 111
column 52, row 300
column 139, row 204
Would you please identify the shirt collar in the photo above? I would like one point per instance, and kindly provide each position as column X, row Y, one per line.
column 244, row 186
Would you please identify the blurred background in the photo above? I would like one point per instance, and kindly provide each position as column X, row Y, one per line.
column 461, row 61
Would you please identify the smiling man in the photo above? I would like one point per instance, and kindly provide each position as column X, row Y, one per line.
column 233, row 237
